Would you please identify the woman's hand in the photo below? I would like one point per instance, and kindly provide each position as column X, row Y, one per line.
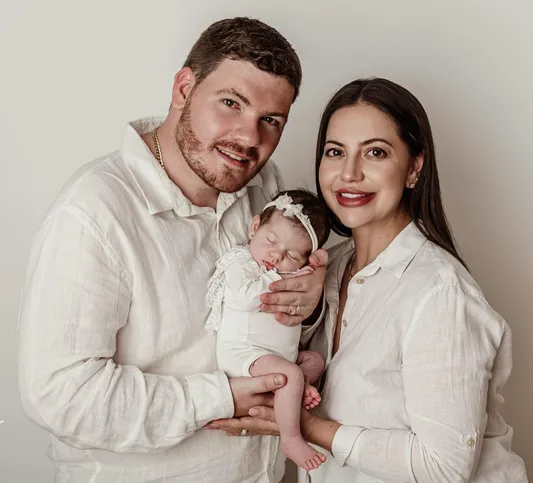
column 316, row 430
column 293, row 300
column 266, row 414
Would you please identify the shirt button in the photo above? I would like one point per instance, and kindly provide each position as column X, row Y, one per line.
column 470, row 442
column 360, row 281
column 344, row 322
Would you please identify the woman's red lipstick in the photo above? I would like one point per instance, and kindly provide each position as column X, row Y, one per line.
column 353, row 198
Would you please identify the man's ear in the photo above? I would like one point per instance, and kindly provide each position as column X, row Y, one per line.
column 254, row 226
column 184, row 82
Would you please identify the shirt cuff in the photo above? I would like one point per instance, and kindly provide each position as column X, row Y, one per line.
column 211, row 397
column 344, row 442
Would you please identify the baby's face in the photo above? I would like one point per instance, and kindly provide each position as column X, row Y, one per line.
column 279, row 244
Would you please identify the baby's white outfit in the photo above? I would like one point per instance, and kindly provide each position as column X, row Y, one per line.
column 244, row 332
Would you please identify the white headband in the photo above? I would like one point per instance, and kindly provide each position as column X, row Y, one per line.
column 285, row 204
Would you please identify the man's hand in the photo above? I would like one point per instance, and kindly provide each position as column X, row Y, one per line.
column 253, row 427
column 294, row 299
column 254, row 391
column 262, row 421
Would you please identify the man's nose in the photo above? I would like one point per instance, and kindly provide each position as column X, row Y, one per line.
column 247, row 133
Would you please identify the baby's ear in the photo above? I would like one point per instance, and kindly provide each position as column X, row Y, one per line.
column 254, row 226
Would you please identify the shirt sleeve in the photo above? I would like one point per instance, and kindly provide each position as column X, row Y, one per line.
column 246, row 285
column 309, row 330
column 76, row 298
column 448, row 355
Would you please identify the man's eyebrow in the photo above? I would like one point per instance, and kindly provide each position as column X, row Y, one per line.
column 235, row 93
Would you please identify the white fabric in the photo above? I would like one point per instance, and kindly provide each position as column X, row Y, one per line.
column 417, row 378
column 217, row 285
column 244, row 332
column 114, row 360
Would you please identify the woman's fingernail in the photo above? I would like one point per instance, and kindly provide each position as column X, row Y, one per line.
column 254, row 412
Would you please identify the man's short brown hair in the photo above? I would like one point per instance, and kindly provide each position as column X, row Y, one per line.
column 249, row 40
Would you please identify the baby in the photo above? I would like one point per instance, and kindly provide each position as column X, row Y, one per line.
column 251, row 342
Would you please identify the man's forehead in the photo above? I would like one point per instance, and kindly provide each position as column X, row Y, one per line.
column 251, row 85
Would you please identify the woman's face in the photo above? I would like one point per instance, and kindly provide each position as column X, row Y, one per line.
column 365, row 167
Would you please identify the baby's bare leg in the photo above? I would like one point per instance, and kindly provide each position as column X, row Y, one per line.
column 287, row 407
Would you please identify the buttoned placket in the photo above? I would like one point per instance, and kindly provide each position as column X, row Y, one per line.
column 353, row 307
column 218, row 230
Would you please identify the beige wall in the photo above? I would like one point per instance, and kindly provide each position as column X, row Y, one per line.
column 74, row 72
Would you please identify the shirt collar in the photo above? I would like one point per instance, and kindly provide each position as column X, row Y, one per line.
column 158, row 190
column 395, row 258
column 401, row 251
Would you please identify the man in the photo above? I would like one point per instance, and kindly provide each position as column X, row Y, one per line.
column 115, row 361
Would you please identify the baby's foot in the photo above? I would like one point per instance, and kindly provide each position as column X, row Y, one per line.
column 301, row 453
column 311, row 397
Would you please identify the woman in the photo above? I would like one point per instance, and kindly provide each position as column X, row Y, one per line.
column 416, row 357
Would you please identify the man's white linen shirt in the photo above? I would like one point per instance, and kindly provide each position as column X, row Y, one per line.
column 114, row 359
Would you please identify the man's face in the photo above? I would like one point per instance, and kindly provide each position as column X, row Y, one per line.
column 232, row 122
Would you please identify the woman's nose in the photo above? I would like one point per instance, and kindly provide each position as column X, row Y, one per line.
column 353, row 170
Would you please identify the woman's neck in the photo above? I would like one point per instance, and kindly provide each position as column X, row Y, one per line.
column 371, row 239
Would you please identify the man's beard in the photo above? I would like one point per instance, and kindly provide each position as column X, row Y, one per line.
column 192, row 148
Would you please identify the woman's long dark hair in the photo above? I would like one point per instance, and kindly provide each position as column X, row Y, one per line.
column 422, row 203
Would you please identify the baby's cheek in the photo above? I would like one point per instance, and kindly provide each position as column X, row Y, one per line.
column 296, row 266
column 256, row 253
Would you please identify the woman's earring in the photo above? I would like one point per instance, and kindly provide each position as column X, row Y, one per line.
column 413, row 184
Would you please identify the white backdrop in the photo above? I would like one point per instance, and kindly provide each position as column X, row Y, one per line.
column 73, row 73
